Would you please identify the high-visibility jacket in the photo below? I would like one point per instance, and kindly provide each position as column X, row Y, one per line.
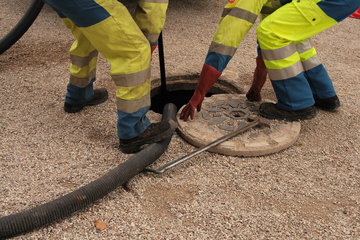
column 236, row 20
column 278, row 35
column 107, row 27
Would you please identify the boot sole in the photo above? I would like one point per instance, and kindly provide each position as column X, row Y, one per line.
column 304, row 116
column 329, row 109
column 136, row 147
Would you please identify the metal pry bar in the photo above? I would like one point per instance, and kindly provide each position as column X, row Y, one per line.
column 251, row 124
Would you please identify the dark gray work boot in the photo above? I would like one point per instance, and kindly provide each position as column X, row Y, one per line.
column 154, row 133
column 271, row 111
column 100, row 96
column 328, row 104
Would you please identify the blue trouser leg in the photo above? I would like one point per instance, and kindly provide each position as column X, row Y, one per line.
column 130, row 125
column 293, row 93
column 76, row 95
column 320, row 82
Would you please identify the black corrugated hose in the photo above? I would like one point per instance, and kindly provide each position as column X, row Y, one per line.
column 22, row 26
column 64, row 206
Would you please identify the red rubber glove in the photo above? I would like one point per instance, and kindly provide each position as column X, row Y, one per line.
column 258, row 81
column 153, row 47
column 208, row 77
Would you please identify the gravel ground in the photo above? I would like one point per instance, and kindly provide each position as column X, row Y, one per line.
column 308, row 191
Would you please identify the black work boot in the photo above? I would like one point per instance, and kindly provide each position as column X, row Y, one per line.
column 100, row 96
column 154, row 133
column 328, row 104
column 271, row 111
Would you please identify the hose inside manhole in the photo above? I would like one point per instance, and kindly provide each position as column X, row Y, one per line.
column 64, row 206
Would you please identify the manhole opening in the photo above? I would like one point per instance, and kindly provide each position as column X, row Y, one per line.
column 179, row 90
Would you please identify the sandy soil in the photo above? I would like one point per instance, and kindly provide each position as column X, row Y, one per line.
column 308, row 191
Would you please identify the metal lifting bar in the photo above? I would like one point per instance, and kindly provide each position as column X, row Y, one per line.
column 251, row 124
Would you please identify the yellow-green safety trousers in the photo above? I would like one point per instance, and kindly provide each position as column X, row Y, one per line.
column 237, row 19
column 107, row 27
column 297, row 78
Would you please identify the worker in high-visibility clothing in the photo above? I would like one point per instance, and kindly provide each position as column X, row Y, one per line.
column 126, row 42
column 237, row 19
column 298, row 92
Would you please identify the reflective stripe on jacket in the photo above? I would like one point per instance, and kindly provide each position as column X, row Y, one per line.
column 237, row 18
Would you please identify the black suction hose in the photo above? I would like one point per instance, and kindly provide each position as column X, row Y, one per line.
column 162, row 67
column 22, row 26
column 64, row 206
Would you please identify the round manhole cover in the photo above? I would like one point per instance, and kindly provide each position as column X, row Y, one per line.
column 222, row 114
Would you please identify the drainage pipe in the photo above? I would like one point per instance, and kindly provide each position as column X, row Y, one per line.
column 22, row 26
column 64, row 206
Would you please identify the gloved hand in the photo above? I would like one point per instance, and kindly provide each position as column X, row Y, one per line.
column 260, row 73
column 208, row 77
column 153, row 47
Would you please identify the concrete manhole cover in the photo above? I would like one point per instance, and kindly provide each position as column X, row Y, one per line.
column 224, row 113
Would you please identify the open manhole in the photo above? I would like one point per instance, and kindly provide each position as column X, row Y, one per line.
column 222, row 114
column 179, row 90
